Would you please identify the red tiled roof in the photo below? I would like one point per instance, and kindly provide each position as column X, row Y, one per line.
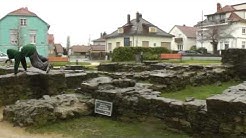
column 59, row 48
column 190, row 32
column 22, row 11
column 227, row 8
column 50, row 38
column 80, row 48
column 235, row 17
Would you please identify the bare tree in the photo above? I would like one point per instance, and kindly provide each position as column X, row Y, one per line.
column 19, row 36
column 68, row 45
column 214, row 34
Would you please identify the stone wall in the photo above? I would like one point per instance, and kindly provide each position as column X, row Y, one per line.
column 237, row 59
column 30, row 85
column 221, row 115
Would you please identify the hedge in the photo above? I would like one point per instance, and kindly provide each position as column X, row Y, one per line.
column 128, row 53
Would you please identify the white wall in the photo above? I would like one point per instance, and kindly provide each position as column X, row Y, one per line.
column 137, row 41
column 235, row 30
column 241, row 14
column 187, row 42
column 239, row 7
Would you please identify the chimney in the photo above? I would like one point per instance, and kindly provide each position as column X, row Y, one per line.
column 137, row 17
column 140, row 15
column 218, row 7
column 26, row 8
column 128, row 18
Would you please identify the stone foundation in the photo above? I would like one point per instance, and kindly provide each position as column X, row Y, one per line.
column 29, row 85
column 220, row 115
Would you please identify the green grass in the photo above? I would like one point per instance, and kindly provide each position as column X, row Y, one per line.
column 106, row 127
column 69, row 63
column 201, row 92
column 200, row 62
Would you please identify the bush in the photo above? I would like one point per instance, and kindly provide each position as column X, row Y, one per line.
column 193, row 48
column 128, row 53
column 202, row 50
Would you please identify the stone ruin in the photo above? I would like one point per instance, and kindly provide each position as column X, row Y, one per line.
column 133, row 94
column 48, row 109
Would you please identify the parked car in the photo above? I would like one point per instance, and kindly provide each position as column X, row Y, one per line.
column 189, row 52
column 4, row 58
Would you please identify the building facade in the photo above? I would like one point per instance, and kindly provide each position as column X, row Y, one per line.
column 185, row 37
column 224, row 29
column 138, row 33
column 22, row 27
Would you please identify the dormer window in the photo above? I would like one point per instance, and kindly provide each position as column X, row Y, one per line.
column 23, row 22
column 120, row 30
column 152, row 29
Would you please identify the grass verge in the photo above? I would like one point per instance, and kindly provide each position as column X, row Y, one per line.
column 200, row 92
column 106, row 127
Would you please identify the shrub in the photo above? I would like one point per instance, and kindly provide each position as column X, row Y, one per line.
column 193, row 48
column 202, row 50
column 128, row 53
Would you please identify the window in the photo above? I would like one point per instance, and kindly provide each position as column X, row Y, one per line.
column 154, row 44
column 166, row 45
column 243, row 30
column 109, row 46
column 152, row 29
column 13, row 37
column 243, row 44
column 226, row 45
column 145, row 43
column 127, row 41
column 180, row 47
column 117, row 44
column 23, row 22
column 33, row 37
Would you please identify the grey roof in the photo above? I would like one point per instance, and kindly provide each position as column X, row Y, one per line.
column 99, row 40
column 138, row 28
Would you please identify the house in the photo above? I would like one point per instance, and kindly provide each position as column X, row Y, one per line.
column 185, row 37
column 226, row 28
column 94, row 52
column 59, row 50
column 80, row 50
column 51, row 44
column 138, row 33
column 101, row 40
column 21, row 27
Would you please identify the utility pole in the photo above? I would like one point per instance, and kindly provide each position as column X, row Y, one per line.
column 202, row 30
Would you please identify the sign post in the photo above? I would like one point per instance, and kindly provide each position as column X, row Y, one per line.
column 103, row 107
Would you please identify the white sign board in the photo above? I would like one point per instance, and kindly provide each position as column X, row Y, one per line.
column 103, row 107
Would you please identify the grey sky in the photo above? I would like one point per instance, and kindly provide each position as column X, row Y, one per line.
column 86, row 19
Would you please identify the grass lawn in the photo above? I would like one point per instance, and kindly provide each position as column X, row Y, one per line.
column 106, row 127
column 200, row 62
column 69, row 63
column 200, row 92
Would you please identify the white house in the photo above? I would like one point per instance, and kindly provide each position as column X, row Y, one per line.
column 185, row 37
column 138, row 33
column 226, row 28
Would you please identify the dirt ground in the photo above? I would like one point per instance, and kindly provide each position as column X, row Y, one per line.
column 8, row 131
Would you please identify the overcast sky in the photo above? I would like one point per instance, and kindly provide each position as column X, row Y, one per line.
column 84, row 20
